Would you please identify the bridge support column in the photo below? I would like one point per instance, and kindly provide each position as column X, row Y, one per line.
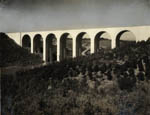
column 92, row 45
column 58, row 47
column 21, row 42
column 92, row 42
column 44, row 49
column 32, row 45
column 113, row 42
column 74, row 51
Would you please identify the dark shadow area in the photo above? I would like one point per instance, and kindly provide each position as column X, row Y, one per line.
column 38, row 45
column 125, row 40
column 66, row 46
column 51, row 48
column 102, row 41
column 26, row 42
column 83, row 44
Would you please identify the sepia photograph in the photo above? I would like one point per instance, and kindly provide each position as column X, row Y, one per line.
column 74, row 57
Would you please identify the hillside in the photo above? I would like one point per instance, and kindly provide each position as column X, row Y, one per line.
column 114, row 82
column 12, row 54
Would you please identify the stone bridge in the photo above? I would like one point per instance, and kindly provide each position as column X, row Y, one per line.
column 76, row 36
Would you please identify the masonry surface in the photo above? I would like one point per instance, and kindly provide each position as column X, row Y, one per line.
column 76, row 35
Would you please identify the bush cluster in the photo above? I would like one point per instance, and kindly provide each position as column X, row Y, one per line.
column 83, row 85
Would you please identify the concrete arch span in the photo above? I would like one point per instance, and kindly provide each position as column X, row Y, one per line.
column 51, row 48
column 102, row 40
column 38, row 45
column 82, row 44
column 66, row 46
column 125, row 37
column 148, row 40
column 26, row 42
column 139, row 33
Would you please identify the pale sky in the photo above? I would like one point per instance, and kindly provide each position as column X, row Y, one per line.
column 36, row 15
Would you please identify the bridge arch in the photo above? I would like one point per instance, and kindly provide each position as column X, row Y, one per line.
column 82, row 44
column 66, row 46
column 148, row 40
column 51, row 48
column 102, row 40
column 38, row 45
column 125, row 37
column 26, row 42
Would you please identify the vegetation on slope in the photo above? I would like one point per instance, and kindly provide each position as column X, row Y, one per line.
column 114, row 82
column 12, row 54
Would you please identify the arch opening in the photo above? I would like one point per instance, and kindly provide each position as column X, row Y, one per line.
column 38, row 45
column 26, row 42
column 66, row 46
column 51, row 48
column 83, row 44
column 148, row 40
column 102, row 41
column 125, row 38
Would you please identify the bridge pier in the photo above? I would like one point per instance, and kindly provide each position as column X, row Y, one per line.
column 92, row 39
column 58, row 48
column 44, row 49
column 74, row 48
column 32, row 45
column 113, row 41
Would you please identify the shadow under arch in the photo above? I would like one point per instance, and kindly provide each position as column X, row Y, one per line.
column 66, row 46
column 148, row 40
column 83, row 44
column 126, row 41
column 26, row 42
column 38, row 45
column 51, row 48
column 102, row 40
